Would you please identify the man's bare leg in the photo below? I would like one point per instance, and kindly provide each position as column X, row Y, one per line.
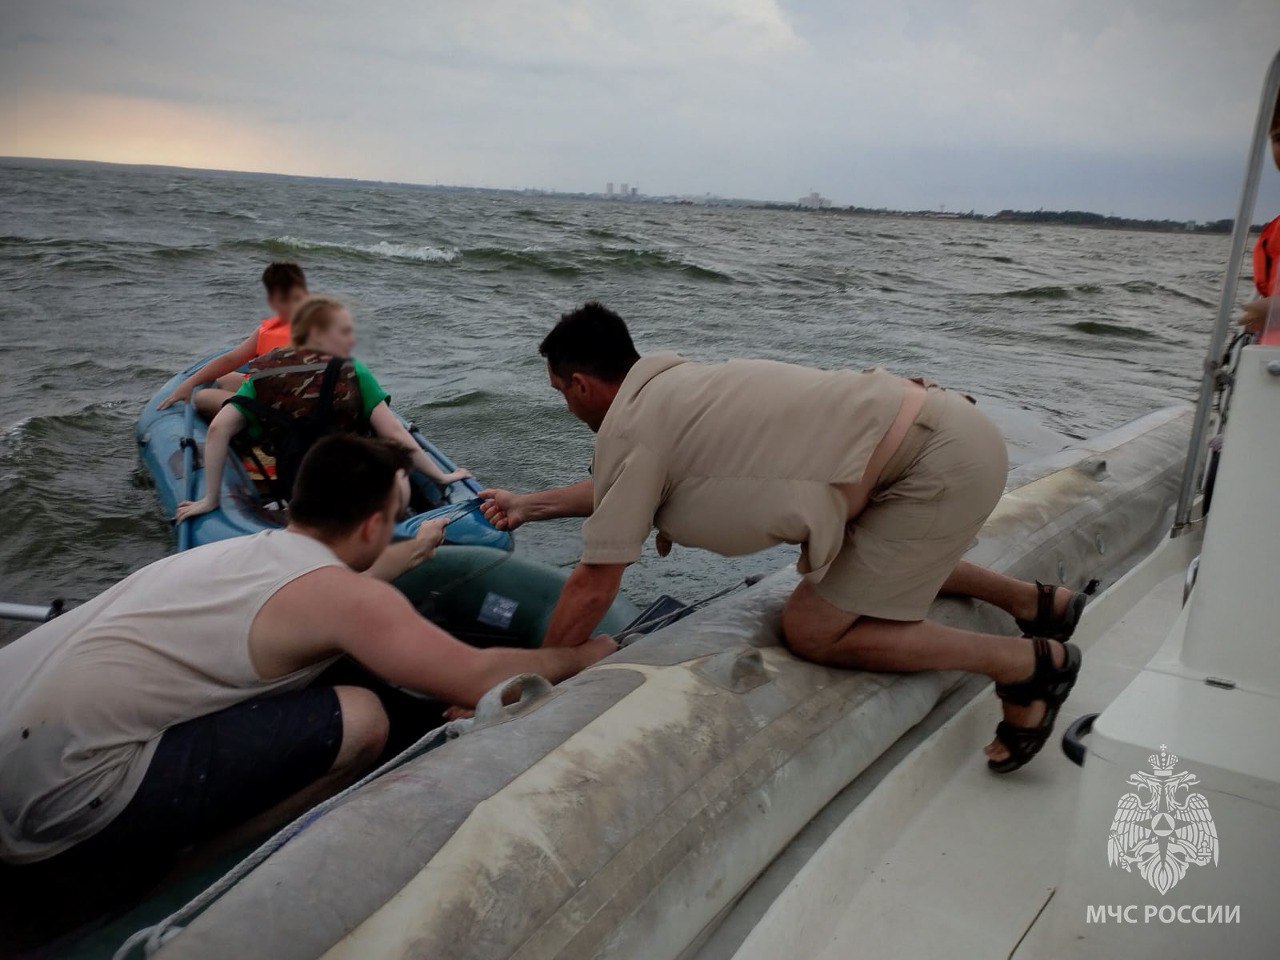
column 817, row 631
column 1013, row 596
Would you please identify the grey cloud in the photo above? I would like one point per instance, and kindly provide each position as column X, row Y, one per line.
column 1141, row 106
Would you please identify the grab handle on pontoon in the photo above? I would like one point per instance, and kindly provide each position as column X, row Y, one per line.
column 493, row 707
column 1072, row 744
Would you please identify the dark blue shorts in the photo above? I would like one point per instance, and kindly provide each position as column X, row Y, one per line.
column 219, row 770
column 207, row 775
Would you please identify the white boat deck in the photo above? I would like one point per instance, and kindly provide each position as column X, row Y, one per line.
column 911, row 871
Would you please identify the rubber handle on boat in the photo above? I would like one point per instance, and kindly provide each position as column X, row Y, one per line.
column 492, row 708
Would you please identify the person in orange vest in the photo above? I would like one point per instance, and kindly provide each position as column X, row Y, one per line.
column 286, row 288
column 288, row 390
column 1266, row 263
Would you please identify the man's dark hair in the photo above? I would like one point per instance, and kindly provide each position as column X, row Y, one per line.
column 343, row 480
column 283, row 277
column 591, row 340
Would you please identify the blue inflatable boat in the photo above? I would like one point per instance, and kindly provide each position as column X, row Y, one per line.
column 171, row 449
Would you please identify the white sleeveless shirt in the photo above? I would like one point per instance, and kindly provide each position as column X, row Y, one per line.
column 85, row 698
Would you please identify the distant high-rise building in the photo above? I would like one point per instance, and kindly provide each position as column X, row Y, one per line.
column 608, row 189
column 625, row 190
column 634, row 191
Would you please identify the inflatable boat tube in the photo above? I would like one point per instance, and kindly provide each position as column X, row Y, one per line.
column 619, row 815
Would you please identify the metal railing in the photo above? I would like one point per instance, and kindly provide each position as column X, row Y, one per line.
column 1213, row 366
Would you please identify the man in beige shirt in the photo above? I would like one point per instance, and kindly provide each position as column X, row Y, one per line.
column 881, row 480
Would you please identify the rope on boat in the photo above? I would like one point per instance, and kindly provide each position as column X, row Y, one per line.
column 490, row 710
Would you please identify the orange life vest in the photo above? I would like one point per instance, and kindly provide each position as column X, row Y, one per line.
column 1266, row 259
column 273, row 333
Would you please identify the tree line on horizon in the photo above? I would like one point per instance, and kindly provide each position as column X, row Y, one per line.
column 1080, row 218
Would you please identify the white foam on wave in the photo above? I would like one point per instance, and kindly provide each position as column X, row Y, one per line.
column 16, row 429
column 399, row 251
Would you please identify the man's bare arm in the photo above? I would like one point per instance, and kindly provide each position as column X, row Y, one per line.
column 404, row 555
column 379, row 628
column 1255, row 313
column 586, row 598
column 507, row 510
column 388, row 426
column 219, row 366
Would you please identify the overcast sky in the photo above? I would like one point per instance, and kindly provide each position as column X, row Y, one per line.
column 1139, row 108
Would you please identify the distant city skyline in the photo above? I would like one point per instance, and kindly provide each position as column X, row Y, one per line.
column 1137, row 107
column 810, row 201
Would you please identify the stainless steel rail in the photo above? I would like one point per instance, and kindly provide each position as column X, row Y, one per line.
column 1226, row 305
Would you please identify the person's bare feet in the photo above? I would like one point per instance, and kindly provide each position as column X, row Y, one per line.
column 1031, row 714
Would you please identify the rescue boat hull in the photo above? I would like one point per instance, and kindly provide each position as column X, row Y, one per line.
column 623, row 813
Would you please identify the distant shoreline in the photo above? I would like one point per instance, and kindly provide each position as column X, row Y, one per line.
column 1059, row 218
column 1070, row 218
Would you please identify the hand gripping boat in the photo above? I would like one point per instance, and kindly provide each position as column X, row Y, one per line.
column 171, row 445
column 624, row 812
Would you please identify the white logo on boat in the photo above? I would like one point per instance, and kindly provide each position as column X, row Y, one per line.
column 1159, row 833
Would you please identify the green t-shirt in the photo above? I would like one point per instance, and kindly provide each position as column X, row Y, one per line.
column 371, row 394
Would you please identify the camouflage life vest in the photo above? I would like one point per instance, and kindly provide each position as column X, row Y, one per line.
column 288, row 381
column 300, row 396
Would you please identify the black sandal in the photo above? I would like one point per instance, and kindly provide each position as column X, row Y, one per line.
column 1048, row 684
column 1048, row 624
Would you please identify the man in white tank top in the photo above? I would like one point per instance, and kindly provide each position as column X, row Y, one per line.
column 180, row 702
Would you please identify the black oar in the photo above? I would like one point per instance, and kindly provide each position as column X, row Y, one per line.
column 645, row 624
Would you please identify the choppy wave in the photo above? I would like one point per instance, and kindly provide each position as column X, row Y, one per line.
column 471, row 398
column 558, row 262
column 537, row 216
column 1148, row 287
column 658, row 260
column 14, row 431
column 602, row 234
column 573, row 262
column 424, row 253
column 67, row 425
column 1039, row 293
column 526, row 258
column 95, row 254
column 1142, row 288
column 1099, row 328
column 181, row 253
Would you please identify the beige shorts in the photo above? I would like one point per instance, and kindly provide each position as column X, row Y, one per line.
column 935, row 494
